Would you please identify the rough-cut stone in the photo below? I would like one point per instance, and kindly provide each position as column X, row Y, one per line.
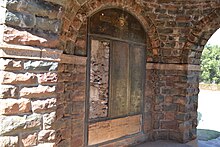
column 38, row 92
column 19, row 19
column 37, row 38
column 29, row 139
column 14, row 124
column 46, row 24
column 9, row 141
column 42, row 106
column 15, row 106
column 10, row 64
column 37, row 8
column 46, row 136
column 8, row 91
column 40, row 66
column 47, row 78
column 46, row 145
column 49, row 120
column 12, row 78
column 176, row 34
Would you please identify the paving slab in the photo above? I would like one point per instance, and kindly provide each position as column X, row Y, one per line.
column 163, row 143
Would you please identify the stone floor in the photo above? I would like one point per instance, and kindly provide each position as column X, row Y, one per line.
column 210, row 143
column 162, row 143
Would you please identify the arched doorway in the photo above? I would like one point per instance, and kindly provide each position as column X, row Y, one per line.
column 116, row 73
column 208, row 126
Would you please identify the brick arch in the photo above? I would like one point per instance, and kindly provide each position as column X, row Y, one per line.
column 199, row 36
column 77, row 24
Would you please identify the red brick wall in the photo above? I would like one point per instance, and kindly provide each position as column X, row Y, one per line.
column 43, row 68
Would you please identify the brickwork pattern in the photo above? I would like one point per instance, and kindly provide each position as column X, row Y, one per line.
column 43, row 102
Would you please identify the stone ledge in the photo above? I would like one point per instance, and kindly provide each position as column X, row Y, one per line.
column 159, row 66
column 28, row 52
column 72, row 59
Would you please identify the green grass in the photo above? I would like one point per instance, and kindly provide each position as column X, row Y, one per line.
column 207, row 134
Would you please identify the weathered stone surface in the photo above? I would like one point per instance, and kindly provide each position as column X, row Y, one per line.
column 38, row 92
column 46, row 136
column 124, row 126
column 38, row 38
column 46, row 24
column 12, row 78
column 29, row 139
column 19, row 19
column 40, row 66
column 10, row 64
column 47, row 78
column 14, row 124
column 42, row 106
column 38, row 8
column 64, row 143
column 8, row 91
column 81, row 1
column 48, row 120
column 9, row 141
column 46, row 145
column 15, row 106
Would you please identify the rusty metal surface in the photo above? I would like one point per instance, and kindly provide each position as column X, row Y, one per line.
column 117, row 23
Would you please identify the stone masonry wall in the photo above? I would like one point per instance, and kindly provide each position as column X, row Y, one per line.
column 71, row 103
column 28, row 102
column 173, row 106
column 43, row 68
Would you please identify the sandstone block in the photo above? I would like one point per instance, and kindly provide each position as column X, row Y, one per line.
column 8, row 91
column 29, row 139
column 12, row 78
column 60, row 88
column 40, row 66
column 52, row 25
column 9, row 64
column 48, row 120
column 46, row 136
column 41, row 106
column 47, row 78
column 64, row 143
column 20, row 19
column 14, row 36
column 35, row 7
column 9, row 141
column 169, row 125
column 11, row 125
column 15, row 106
column 46, row 145
column 38, row 92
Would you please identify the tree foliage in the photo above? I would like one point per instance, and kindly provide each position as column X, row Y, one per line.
column 210, row 64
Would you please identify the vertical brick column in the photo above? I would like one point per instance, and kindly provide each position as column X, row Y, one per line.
column 71, row 101
column 171, row 99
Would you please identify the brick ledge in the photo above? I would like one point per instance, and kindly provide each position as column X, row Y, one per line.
column 173, row 66
column 28, row 52
column 73, row 59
